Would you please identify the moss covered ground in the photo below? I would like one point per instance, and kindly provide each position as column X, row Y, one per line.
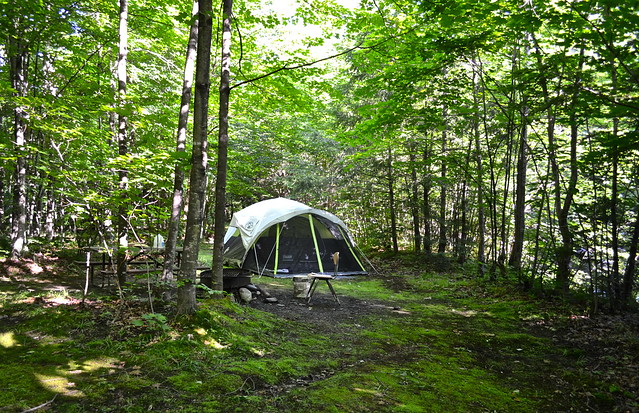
column 406, row 339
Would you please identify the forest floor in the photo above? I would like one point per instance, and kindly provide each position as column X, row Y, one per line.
column 417, row 336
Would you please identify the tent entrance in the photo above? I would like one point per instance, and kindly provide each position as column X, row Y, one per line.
column 301, row 245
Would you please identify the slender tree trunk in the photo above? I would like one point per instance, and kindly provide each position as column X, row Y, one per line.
column 615, row 295
column 123, row 144
column 481, row 217
column 222, row 149
column 3, row 188
column 49, row 221
column 463, row 239
column 428, row 239
column 186, row 300
column 18, row 66
column 564, row 252
column 178, row 185
column 414, row 198
column 441, row 246
column 391, row 200
column 520, row 195
column 630, row 276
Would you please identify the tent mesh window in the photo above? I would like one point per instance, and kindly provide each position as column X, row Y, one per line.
column 296, row 253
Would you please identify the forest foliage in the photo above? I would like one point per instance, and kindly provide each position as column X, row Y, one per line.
column 502, row 133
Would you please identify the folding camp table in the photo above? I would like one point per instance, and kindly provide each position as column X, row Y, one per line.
column 311, row 290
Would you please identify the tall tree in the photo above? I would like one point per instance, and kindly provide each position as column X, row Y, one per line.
column 123, row 142
column 519, row 211
column 183, row 117
column 222, row 148
column 18, row 69
column 186, row 300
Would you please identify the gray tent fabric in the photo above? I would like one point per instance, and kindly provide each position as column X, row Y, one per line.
column 281, row 237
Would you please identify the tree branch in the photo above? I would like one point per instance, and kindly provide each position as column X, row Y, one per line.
column 33, row 409
column 299, row 66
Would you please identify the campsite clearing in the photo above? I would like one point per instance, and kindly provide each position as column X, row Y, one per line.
column 408, row 339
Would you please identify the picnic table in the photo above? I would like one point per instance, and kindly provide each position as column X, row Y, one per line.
column 141, row 259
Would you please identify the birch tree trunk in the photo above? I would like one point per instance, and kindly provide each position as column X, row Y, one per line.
column 123, row 144
column 178, row 184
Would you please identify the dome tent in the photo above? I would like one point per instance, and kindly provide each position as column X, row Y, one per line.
column 282, row 238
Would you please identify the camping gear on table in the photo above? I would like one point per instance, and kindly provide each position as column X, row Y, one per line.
column 282, row 238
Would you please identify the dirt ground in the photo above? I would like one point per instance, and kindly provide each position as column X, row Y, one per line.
column 323, row 310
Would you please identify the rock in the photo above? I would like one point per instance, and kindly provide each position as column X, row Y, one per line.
column 245, row 295
column 265, row 293
column 270, row 300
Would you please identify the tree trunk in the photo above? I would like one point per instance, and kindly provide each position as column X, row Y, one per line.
column 222, row 149
column 391, row 201
column 123, row 144
column 629, row 274
column 615, row 295
column 481, row 217
column 564, row 251
column 49, row 220
column 178, row 184
column 441, row 246
column 3, row 220
column 414, row 196
column 18, row 57
column 428, row 239
column 186, row 300
column 517, row 249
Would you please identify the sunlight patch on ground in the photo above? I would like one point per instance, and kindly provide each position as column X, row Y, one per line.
column 211, row 342
column 464, row 313
column 60, row 385
column 369, row 391
column 215, row 344
column 102, row 363
column 8, row 340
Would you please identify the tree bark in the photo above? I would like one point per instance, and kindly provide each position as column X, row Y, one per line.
column 123, row 144
column 428, row 241
column 391, row 200
column 186, row 300
column 564, row 251
column 616, row 298
column 414, row 195
column 441, row 247
column 222, row 149
column 18, row 66
column 183, row 117
column 517, row 249
column 631, row 265
column 481, row 217
column 462, row 249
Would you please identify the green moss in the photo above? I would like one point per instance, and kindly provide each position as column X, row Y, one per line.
column 186, row 382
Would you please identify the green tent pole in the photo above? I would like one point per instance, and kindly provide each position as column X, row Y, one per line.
column 317, row 252
column 277, row 248
column 350, row 247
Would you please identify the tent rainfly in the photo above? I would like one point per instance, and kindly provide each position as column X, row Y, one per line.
column 281, row 237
